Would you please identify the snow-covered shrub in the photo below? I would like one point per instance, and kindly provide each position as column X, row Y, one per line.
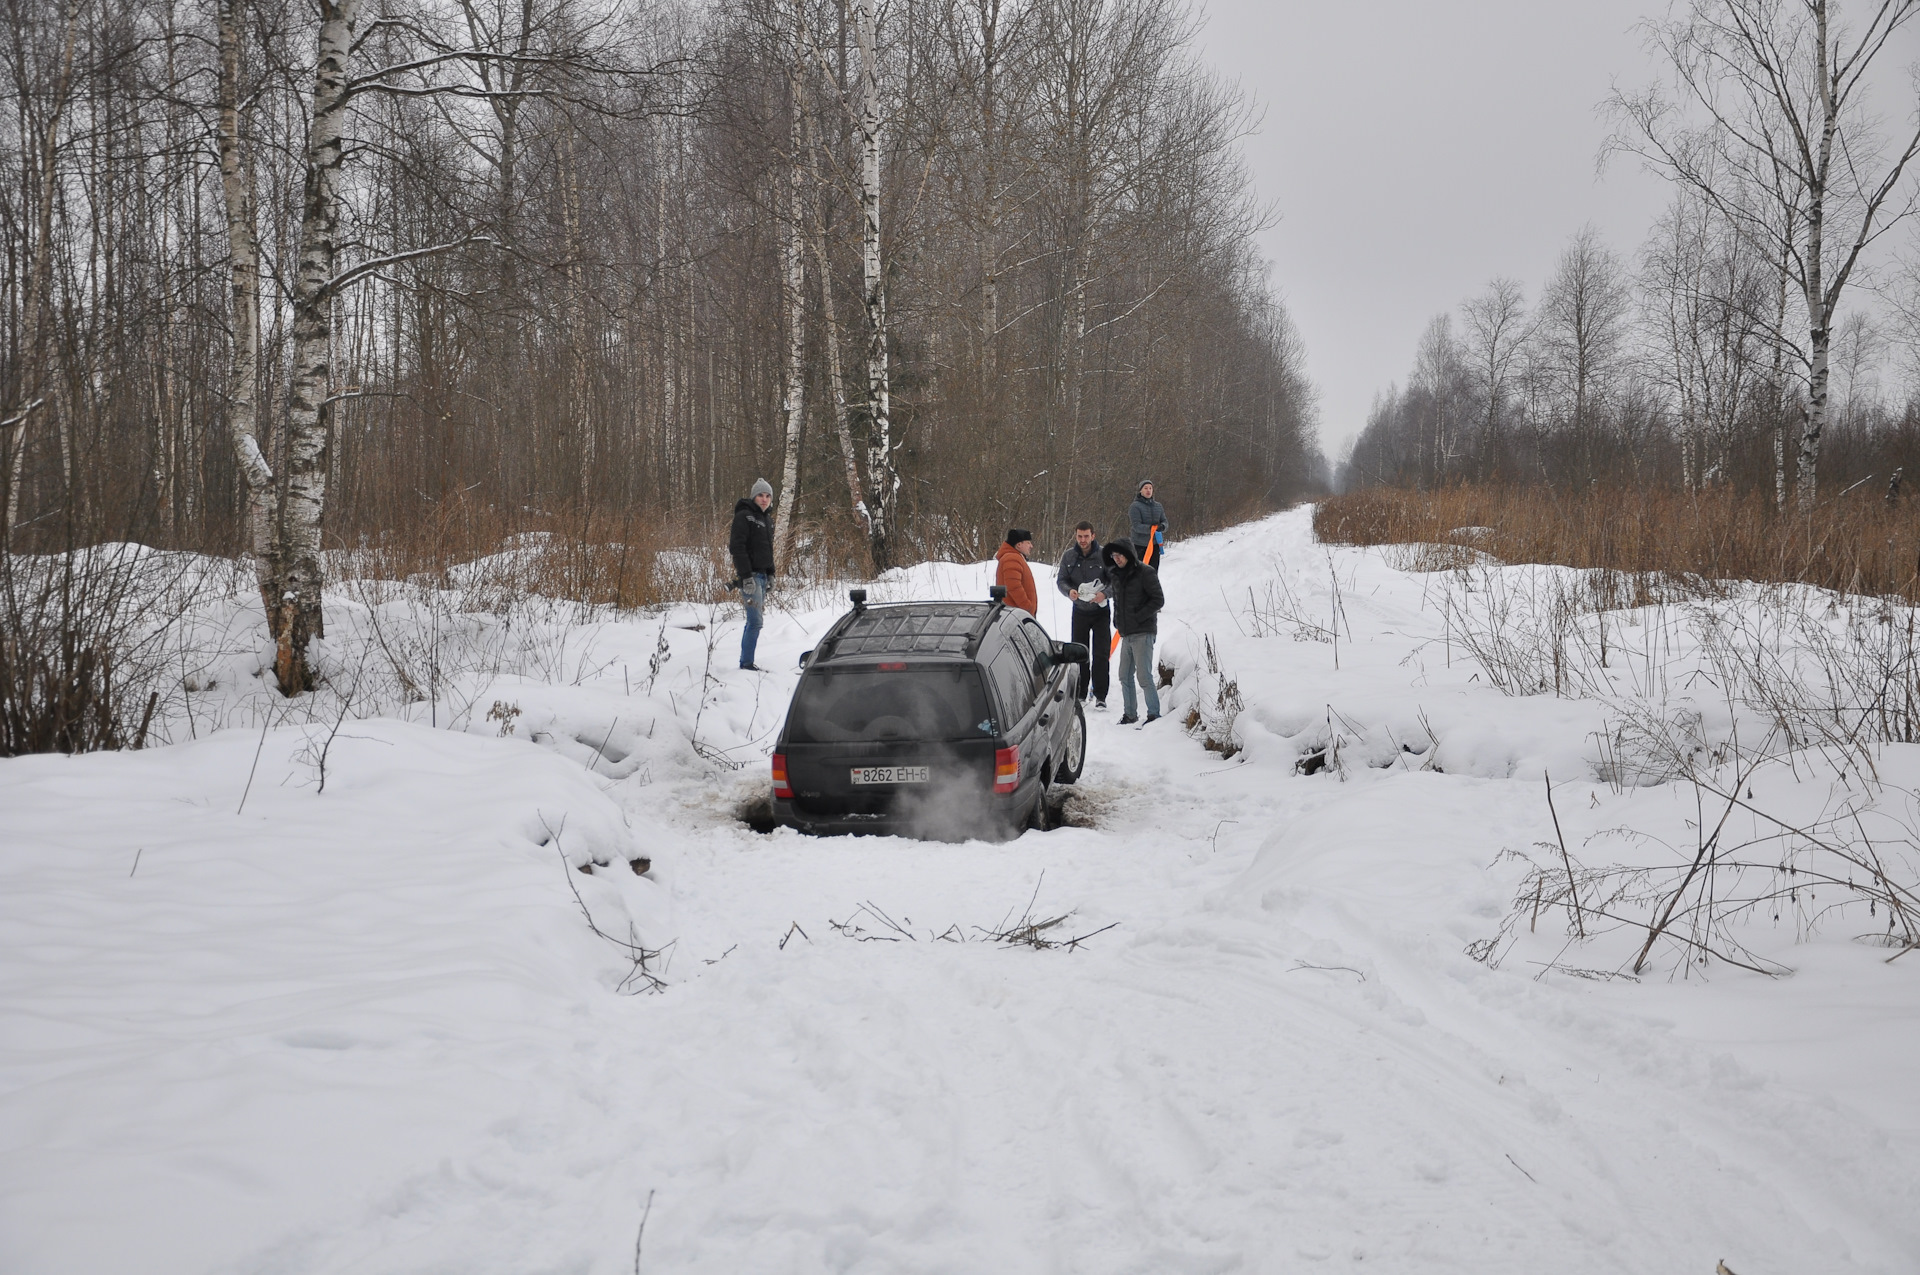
column 1528, row 628
column 1216, row 705
column 1429, row 556
column 686, row 575
column 1278, row 605
column 83, row 645
column 1816, row 846
column 1842, row 670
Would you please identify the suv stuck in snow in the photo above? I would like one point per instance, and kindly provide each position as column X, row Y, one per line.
column 935, row 719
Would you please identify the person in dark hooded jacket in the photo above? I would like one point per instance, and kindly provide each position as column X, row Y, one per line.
column 1137, row 600
column 751, row 546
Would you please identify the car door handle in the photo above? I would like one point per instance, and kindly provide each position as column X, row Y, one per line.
column 1058, row 696
column 1045, row 718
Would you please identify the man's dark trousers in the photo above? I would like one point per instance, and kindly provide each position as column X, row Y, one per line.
column 1093, row 626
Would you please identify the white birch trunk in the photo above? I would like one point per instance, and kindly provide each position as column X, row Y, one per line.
column 883, row 482
column 39, row 285
column 243, row 373
column 793, row 409
column 662, row 306
column 1819, row 305
column 990, row 233
column 836, row 375
column 294, row 616
column 578, row 383
column 1779, row 388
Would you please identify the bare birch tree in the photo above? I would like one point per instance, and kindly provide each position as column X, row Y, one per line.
column 1773, row 128
column 243, row 247
column 883, row 478
column 303, row 338
column 1582, row 329
column 291, row 574
column 44, row 134
column 835, row 374
column 1495, row 334
column 793, row 406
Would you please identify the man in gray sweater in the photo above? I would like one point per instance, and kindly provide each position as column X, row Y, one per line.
column 1148, row 525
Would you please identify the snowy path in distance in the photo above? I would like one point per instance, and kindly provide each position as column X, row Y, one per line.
column 366, row 1030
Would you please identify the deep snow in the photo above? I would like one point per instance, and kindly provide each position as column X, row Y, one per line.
column 367, row 1028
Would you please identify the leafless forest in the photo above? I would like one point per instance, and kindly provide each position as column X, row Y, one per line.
column 1752, row 344
column 283, row 277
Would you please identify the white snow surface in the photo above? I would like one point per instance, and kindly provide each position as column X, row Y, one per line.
column 258, row 1025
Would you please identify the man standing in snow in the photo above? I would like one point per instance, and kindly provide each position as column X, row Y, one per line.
column 1137, row 600
column 1083, row 577
column 751, row 544
column 1148, row 523
column 1015, row 576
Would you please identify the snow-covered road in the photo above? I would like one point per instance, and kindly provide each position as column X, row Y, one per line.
column 367, row 1029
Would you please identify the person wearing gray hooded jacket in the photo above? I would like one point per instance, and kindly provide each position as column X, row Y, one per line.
column 1147, row 524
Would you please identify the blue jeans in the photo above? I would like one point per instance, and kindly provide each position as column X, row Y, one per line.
column 1136, row 662
column 753, row 595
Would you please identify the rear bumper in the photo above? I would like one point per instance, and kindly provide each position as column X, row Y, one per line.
column 989, row 816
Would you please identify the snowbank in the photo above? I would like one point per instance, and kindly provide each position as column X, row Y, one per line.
column 368, row 1027
column 231, row 995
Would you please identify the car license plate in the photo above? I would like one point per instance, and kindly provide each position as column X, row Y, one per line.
column 892, row 774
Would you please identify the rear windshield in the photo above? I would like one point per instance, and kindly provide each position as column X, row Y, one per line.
column 847, row 705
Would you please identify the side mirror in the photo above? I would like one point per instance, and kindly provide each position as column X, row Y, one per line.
column 804, row 657
column 1070, row 653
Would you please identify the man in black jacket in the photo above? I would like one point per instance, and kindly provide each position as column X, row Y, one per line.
column 751, row 544
column 1083, row 577
column 1137, row 599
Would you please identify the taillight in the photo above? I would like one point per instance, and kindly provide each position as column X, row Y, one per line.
column 781, row 788
column 1006, row 769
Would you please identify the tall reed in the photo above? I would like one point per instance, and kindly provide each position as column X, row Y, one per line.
column 1856, row 542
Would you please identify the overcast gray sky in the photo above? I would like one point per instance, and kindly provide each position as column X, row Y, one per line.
column 1416, row 149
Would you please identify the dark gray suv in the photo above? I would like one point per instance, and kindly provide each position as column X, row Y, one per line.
column 933, row 719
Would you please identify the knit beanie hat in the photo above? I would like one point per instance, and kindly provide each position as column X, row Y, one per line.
column 1143, row 483
column 761, row 487
column 1017, row 534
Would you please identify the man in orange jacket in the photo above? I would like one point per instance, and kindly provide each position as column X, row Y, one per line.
column 1016, row 577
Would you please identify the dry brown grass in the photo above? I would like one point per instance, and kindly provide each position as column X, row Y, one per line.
column 582, row 555
column 572, row 555
column 1857, row 542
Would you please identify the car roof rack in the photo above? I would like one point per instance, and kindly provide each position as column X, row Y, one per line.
column 911, row 628
column 999, row 595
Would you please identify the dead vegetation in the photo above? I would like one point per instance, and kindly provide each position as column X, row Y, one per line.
column 642, row 974
column 1857, row 860
column 84, row 656
column 1217, row 705
column 870, row 923
column 1669, row 544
